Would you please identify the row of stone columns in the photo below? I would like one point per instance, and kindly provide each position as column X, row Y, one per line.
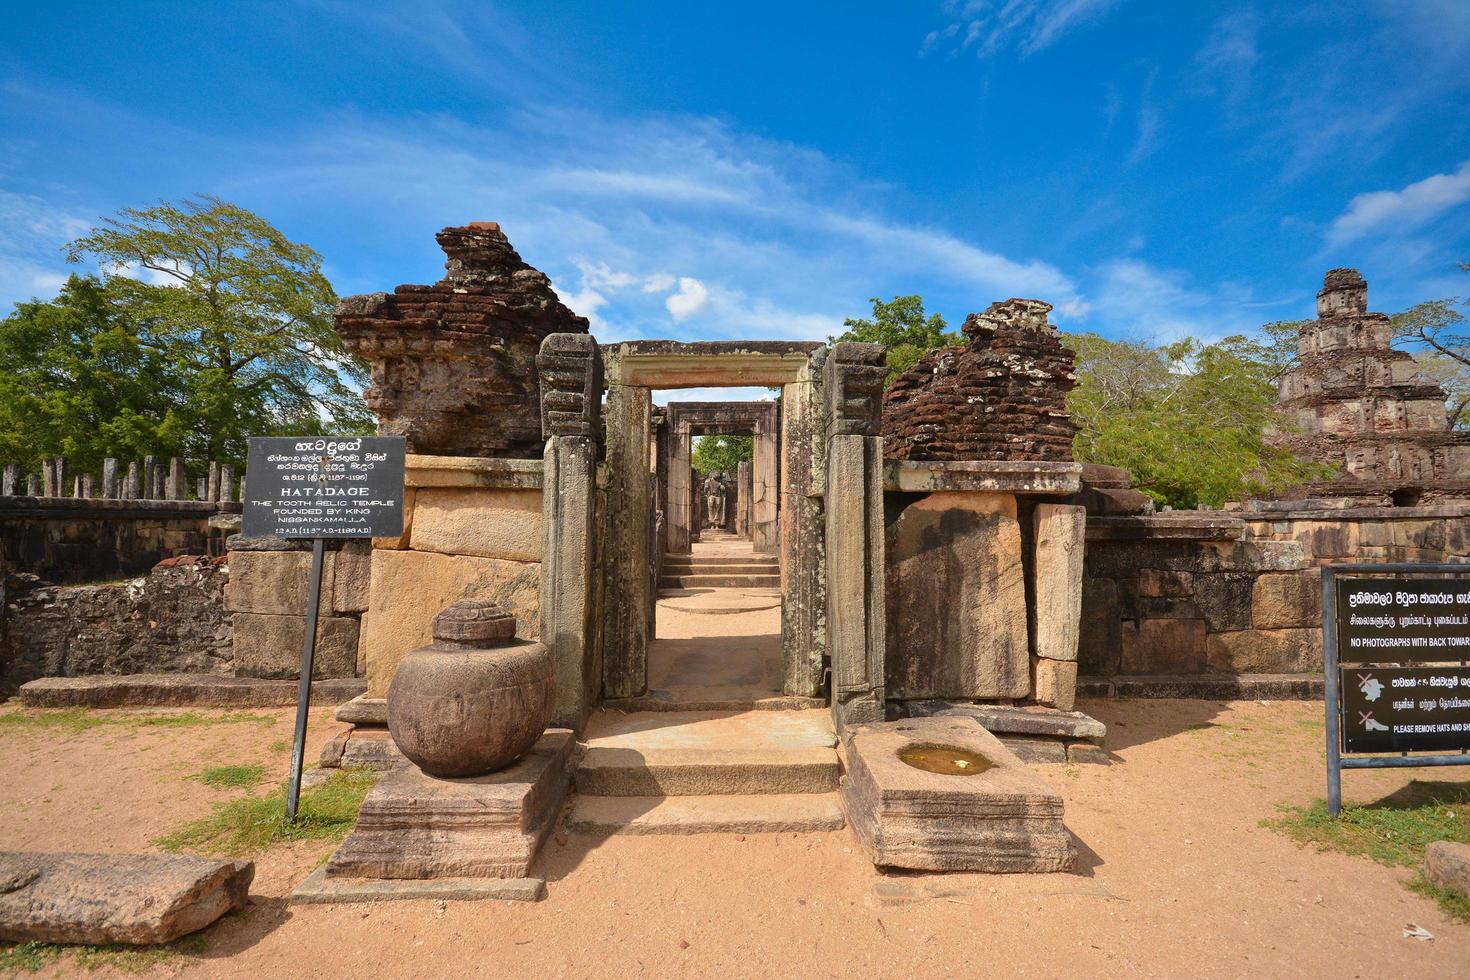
column 150, row 479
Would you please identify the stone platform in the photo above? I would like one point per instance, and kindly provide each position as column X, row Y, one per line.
column 415, row 826
column 180, row 691
column 1003, row 818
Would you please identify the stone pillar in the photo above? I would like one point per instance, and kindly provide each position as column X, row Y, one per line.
column 742, row 499
column 629, row 524
column 76, row 487
column 160, row 481
column 87, row 488
column 211, row 488
column 226, row 483
column 765, row 480
column 48, row 478
column 803, row 571
column 9, row 480
column 61, row 476
column 201, row 488
column 680, row 514
column 853, row 391
column 177, row 487
column 661, row 485
column 1055, row 610
column 570, row 367
column 33, row 485
column 132, row 486
column 148, row 489
column 111, row 486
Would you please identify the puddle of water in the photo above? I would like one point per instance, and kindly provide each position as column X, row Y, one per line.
column 945, row 760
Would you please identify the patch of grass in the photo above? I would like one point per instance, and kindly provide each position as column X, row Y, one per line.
column 249, row 825
column 1394, row 831
column 231, row 777
column 28, row 957
column 280, row 745
column 34, row 956
column 74, row 720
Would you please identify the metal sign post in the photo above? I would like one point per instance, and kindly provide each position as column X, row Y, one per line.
column 321, row 488
column 1393, row 627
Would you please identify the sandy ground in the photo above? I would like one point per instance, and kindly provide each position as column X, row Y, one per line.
column 1177, row 878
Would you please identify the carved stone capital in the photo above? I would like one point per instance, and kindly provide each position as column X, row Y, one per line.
column 853, row 385
column 570, row 366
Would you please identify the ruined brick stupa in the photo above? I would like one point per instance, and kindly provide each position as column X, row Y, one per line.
column 454, row 364
column 1001, row 396
column 1361, row 407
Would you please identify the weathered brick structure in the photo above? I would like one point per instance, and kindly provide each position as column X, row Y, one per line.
column 1002, row 396
column 1360, row 406
column 454, row 364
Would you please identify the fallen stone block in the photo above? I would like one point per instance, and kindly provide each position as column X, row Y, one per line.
column 98, row 899
column 943, row 794
column 1014, row 719
column 1447, row 864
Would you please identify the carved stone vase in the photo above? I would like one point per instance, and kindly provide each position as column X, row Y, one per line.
column 476, row 698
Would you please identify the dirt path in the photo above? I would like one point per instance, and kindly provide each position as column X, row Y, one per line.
column 1178, row 877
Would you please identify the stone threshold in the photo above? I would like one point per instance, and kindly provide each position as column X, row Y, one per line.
column 1174, row 526
column 983, row 476
column 180, row 691
column 318, row 889
column 664, row 701
column 1206, row 687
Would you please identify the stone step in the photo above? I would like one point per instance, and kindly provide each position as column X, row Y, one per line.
column 705, row 569
column 719, row 581
column 702, row 753
column 764, row 560
column 801, row 813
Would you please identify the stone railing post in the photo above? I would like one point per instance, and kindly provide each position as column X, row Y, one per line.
column 178, row 481
column 853, row 391
column 111, row 486
column 803, row 565
column 570, row 368
column 10, row 480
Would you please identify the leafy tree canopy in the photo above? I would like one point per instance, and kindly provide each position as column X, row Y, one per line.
column 1437, row 333
column 205, row 326
column 1190, row 420
column 717, row 454
column 902, row 326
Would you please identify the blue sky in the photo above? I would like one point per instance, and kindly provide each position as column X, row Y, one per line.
column 1153, row 169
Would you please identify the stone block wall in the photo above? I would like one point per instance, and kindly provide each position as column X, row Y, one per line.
column 267, row 598
column 171, row 620
column 1237, row 593
column 472, row 530
column 69, row 540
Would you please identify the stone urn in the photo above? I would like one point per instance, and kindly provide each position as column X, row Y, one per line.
column 476, row 698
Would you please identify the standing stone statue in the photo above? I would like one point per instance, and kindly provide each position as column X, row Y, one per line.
column 714, row 501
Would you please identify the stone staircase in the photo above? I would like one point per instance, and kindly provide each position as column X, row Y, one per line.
column 697, row 772
column 697, row 571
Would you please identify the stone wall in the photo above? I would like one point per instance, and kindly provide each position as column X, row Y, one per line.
column 171, row 620
column 1237, row 592
column 473, row 529
column 267, row 598
column 69, row 540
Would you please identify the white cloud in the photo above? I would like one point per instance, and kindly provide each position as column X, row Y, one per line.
column 688, row 300
column 1395, row 212
column 659, row 283
column 1229, row 55
column 1136, row 299
column 989, row 26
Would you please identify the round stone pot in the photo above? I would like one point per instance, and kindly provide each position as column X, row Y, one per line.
column 476, row 698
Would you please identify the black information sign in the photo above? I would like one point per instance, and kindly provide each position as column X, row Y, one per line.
column 1394, row 620
column 328, row 487
column 1405, row 709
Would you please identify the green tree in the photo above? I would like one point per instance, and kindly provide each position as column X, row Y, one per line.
column 241, row 314
column 721, row 454
column 1190, row 420
column 901, row 326
column 78, row 379
column 1436, row 333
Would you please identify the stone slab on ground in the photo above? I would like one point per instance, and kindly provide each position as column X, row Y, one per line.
column 363, row 710
column 789, row 813
column 363, row 748
column 1447, row 864
column 1003, row 818
column 99, row 899
column 413, row 825
column 1035, row 749
column 1221, row 687
column 321, row 889
column 1014, row 719
column 691, row 753
column 180, row 691
column 681, row 701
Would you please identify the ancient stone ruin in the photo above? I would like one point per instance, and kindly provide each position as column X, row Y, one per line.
column 454, row 364
column 1001, row 396
column 1361, row 407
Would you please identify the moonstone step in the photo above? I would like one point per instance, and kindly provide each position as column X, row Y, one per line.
column 799, row 813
